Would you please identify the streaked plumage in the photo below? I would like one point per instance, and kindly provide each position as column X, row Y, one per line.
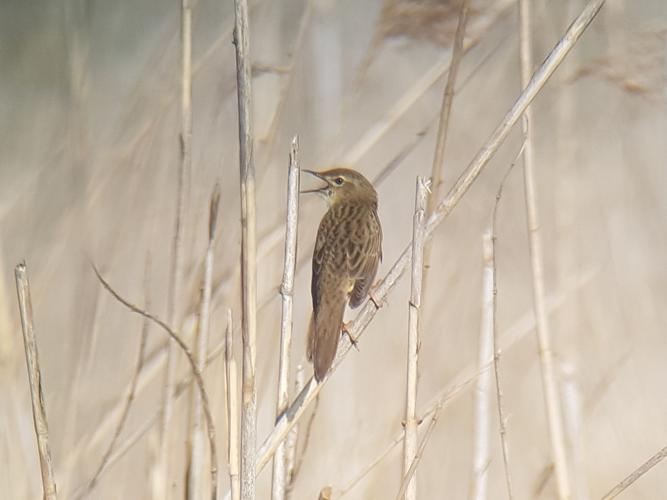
column 347, row 252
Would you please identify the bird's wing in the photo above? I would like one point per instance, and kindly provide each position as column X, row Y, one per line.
column 320, row 255
column 365, row 261
column 330, row 286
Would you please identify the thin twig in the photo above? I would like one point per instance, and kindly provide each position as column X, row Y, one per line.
column 248, row 252
column 161, row 471
column 407, row 478
column 232, row 411
column 398, row 438
column 195, row 484
column 490, row 257
column 35, row 379
column 410, row 442
column 195, row 372
column 307, row 434
column 104, row 463
column 443, row 129
column 444, row 208
column 636, row 474
column 293, row 438
column 482, row 418
column 279, row 480
column 549, row 382
column 445, row 110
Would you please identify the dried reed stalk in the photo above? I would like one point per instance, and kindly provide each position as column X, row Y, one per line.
column 445, row 110
column 490, row 252
column 279, row 480
column 549, row 381
column 443, row 209
column 161, row 470
column 410, row 442
column 35, row 379
column 231, row 382
column 636, row 474
column 482, row 420
column 195, row 484
column 248, row 252
column 443, row 128
column 420, row 452
column 291, row 468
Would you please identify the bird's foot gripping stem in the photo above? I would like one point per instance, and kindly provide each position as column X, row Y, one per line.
column 346, row 331
column 372, row 295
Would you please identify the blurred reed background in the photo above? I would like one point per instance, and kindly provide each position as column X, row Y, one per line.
column 89, row 170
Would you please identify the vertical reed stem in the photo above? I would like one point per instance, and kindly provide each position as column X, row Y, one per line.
column 248, row 252
column 279, row 480
column 418, row 236
column 35, row 380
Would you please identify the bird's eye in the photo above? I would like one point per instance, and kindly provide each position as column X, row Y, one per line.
column 339, row 181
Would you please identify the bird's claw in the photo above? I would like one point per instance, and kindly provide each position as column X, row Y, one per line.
column 353, row 340
column 371, row 295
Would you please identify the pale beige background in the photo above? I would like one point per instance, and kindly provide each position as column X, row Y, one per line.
column 88, row 167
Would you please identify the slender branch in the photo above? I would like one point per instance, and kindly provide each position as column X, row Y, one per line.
column 194, row 480
column 195, row 372
column 445, row 110
column 549, row 382
column 306, row 434
column 636, row 474
column 161, row 470
column 35, row 379
column 104, row 463
column 248, row 252
column 407, row 478
column 444, row 208
column 443, row 128
column 398, row 438
column 410, row 442
column 279, row 480
column 482, row 418
column 292, row 440
column 232, row 411
column 490, row 257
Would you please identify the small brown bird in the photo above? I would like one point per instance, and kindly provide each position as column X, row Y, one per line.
column 347, row 252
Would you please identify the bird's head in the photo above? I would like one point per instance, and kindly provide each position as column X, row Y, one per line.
column 342, row 185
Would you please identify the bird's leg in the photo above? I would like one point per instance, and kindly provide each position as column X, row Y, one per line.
column 371, row 295
column 345, row 329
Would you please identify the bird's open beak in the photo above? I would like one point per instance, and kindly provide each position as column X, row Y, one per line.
column 324, row 191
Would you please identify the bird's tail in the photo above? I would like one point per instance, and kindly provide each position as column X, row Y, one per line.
column 324, row 333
